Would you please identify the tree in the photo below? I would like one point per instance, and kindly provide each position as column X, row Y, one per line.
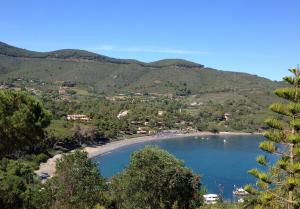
column 22, row 122
column 279, row 186
column 155, row 179
column 16, row 181
column 76, row 184
column 87, row 134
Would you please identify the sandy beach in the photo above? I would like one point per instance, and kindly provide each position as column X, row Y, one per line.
column 49, row 166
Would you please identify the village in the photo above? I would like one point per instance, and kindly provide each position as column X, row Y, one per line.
column 130, row 114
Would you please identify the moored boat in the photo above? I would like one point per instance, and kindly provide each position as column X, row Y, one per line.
column 239, row 191
column 211, row 199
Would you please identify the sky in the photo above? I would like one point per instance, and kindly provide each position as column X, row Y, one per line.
column 260, row 37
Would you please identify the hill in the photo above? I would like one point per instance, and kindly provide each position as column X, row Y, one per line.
column 112, row 76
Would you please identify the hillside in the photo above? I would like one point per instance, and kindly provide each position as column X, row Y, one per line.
column 112, row 76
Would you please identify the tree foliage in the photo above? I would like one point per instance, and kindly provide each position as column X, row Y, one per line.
column 77, row 184
column 155, row 179
column 279, row 187
column 22, row 122
column 17, row 181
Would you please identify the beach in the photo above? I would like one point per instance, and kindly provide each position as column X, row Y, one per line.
column 49, row 166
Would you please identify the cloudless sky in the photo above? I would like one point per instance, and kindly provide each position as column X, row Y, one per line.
column 256, row 36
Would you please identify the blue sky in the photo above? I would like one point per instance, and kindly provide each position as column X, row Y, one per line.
column 256, row 36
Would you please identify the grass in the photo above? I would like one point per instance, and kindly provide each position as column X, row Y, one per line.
column 61, row 129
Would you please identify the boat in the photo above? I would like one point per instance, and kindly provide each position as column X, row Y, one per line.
column 225, row 141
column 241, row 200
column 210, row 199
column 239, row 191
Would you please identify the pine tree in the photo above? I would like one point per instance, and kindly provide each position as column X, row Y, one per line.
column 279, row 186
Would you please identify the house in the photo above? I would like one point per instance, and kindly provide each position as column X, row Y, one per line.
column 161, row 123
column 61, row 91
column 3, row 86
column 151, row 132
column 161, row 113
column 138, row 94
column 142, row 130
column 226, row 116
column 32, row 90
column 136, row 122
column 196, row 104
column 182, row 122
column 78, row 117
column 190, row 129
column 123, row 114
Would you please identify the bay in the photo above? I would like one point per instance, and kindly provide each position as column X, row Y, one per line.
column 221, row 161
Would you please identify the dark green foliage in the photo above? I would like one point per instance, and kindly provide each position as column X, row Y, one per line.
column 77, row 184
column 155, row 179
column 17, row 182
column 22, row 122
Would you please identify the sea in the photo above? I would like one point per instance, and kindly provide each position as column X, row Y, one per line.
column 222, row 161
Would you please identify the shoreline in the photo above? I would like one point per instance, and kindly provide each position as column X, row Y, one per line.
column 49, row 166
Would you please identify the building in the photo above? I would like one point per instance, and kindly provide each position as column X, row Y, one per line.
column 138, row 94
column 122, row 114
column 136, row 122
column 62, row 91
column 142, row 130
column 226, row 116
column 78, row 117
column 161, row 113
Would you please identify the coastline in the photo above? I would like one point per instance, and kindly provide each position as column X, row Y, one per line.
column 49, row 166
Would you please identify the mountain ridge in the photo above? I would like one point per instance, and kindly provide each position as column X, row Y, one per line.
column 114, row 76
column 9, row 50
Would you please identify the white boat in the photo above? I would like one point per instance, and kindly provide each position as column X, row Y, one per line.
column 241, row 200
column 225, row 141
column 210, row 199
column 240, row 191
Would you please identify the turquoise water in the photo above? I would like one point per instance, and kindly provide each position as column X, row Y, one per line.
column 221, row 165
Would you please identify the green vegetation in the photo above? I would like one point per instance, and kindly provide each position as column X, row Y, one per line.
column 279, row 187
column 76, row 81
column 157, row 180
column 127, row 98
column 18, row 182
column 22, row 122
column 77, row 184
column 100, row 74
